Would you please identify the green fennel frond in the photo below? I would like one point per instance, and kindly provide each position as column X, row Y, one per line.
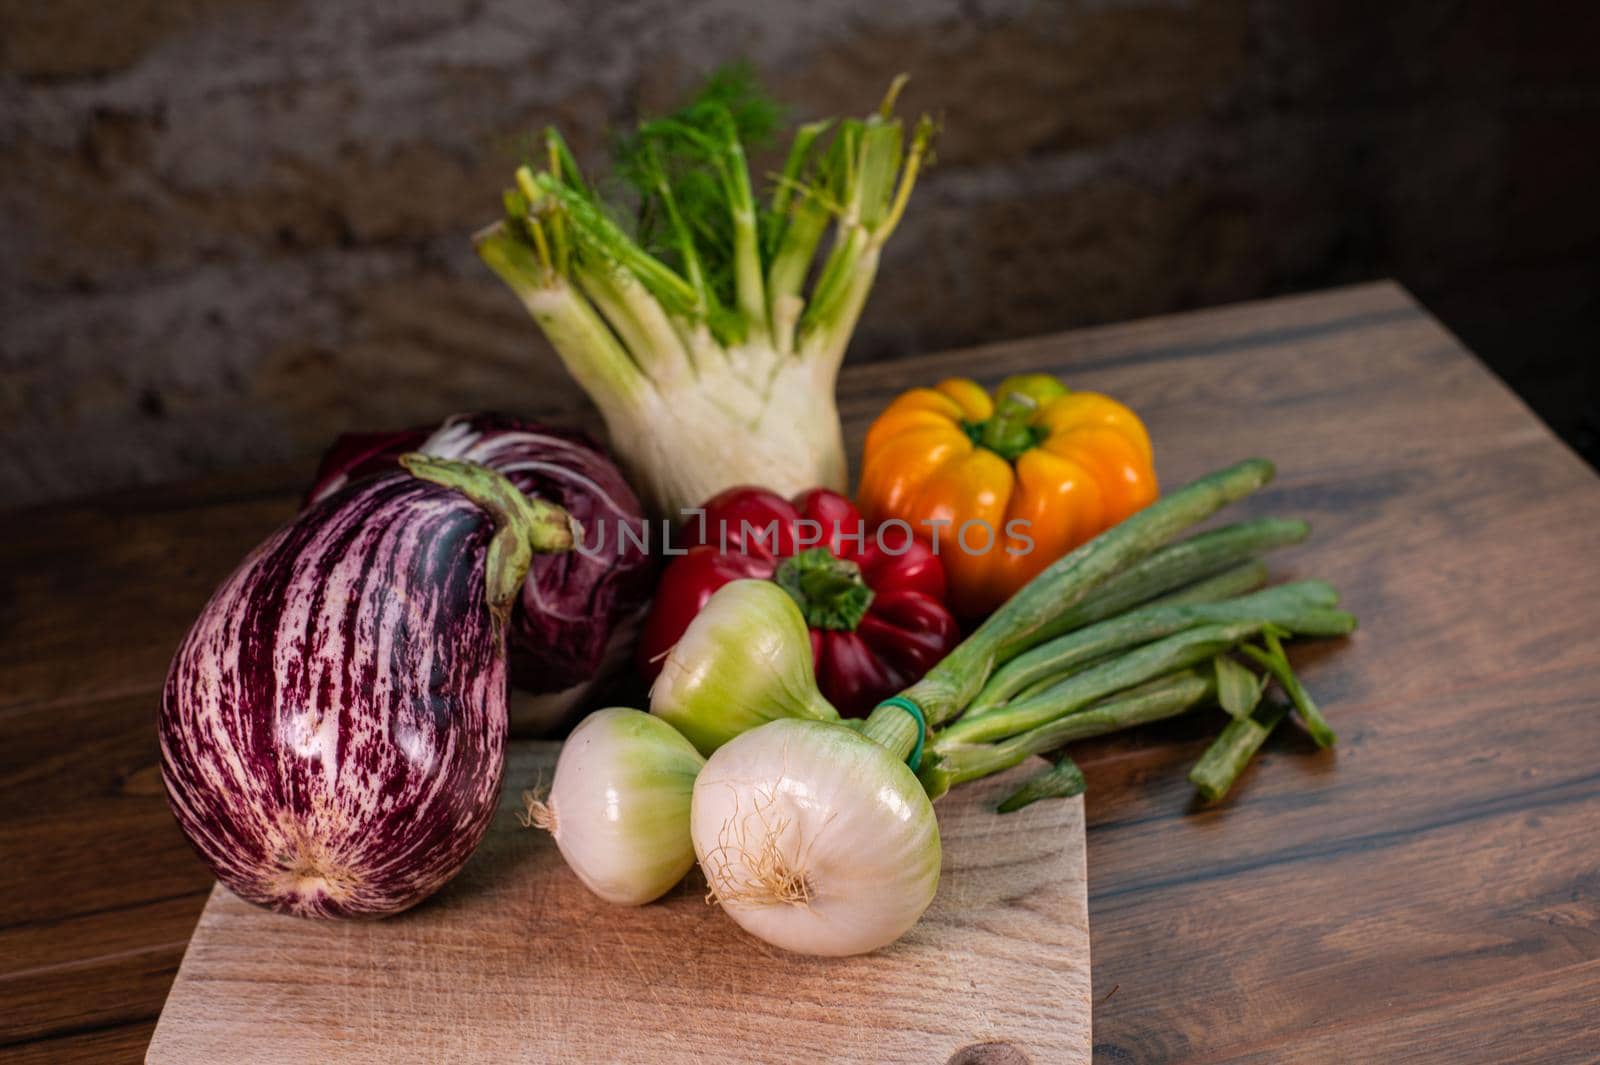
column 691, row 229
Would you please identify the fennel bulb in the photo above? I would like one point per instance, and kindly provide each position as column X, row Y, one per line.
column 694, row 330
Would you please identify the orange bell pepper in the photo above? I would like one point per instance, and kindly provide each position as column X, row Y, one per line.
column 1006, row 485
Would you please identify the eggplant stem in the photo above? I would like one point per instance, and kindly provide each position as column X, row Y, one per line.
column 523, row 526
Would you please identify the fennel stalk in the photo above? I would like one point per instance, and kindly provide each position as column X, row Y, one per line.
column 708, row 331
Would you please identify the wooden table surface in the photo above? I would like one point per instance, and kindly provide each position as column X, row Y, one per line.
column 1430, row 891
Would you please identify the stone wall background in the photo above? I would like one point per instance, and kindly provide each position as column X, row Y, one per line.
column 232, row 228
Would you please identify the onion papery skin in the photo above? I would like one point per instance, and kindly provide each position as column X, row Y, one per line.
column 333, row 726
column 619, row 805
column 844, row 825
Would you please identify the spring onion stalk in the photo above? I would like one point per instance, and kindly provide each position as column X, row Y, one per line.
column 1238, row 689
column 1062, row 780
column 1044, row 684
column 1237, row 580
column 1068, row 655
column 1280, row 605
column 1242, row 578
column 694, row 326
column 1187, row 648
column 1176, row 567
column 951, row 685
column 1322, row 623
column 1230, row 752
column 744, row 660
column 816, row 839
column 1277, row 663
column 618, row 806
column 1245, row 577
column 1157, row 700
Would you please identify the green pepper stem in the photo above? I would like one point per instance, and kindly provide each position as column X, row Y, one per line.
column 1009, row 432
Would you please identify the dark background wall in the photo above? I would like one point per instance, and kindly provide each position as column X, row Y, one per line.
column 231, row 228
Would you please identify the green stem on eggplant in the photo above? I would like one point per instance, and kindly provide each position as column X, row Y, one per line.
column 523, row 525
column 951, row 685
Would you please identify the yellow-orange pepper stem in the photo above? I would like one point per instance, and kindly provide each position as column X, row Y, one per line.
column 1004, row 484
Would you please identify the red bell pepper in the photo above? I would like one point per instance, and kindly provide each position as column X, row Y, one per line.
column 875, row 607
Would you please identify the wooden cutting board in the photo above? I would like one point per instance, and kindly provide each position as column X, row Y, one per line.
column 516, row 961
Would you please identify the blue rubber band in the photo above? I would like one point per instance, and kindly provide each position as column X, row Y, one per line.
column 914, row 759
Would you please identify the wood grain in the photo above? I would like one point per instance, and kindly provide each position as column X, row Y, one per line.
column 516, row 961
column 1429, row 891
column 129, row 575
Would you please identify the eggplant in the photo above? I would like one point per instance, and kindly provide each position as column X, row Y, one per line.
column 579, row 610
column 333, row 726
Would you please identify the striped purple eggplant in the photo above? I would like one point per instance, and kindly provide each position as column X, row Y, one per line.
column 333, row 726
column 579, row 609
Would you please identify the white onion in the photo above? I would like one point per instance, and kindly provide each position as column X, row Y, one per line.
column 619, row 805
column 815, row 838
column 744, row 660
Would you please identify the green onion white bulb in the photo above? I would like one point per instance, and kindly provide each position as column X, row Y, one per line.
column 743, row 661
column 815, row 838
column 619, row 805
